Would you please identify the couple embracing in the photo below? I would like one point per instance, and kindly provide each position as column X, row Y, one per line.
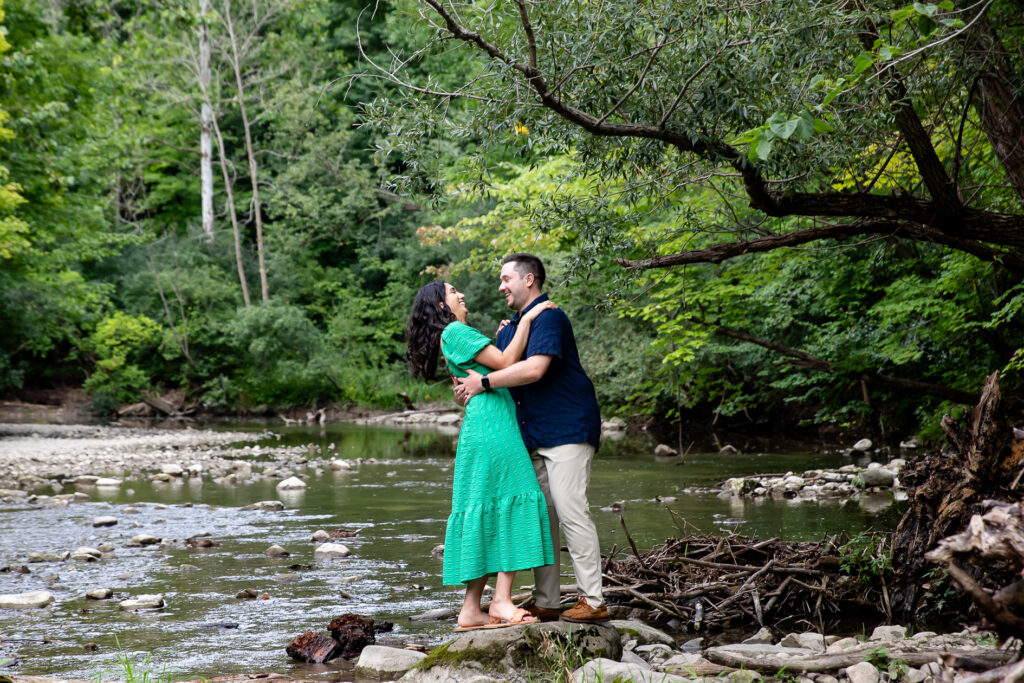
column 522, row 465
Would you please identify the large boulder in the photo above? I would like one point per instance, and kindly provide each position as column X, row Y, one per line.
column 506, row 653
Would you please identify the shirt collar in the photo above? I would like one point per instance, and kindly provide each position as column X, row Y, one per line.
column 540, row 299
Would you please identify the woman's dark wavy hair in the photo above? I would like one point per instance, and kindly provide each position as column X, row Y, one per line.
column 423, row 331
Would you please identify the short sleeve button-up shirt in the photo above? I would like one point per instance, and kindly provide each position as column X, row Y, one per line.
column 561, row 407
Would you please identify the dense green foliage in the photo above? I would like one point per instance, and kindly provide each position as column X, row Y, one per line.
column 844, row 237
column 368, row 189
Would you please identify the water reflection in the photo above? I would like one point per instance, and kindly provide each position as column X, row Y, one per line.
column 394, row 492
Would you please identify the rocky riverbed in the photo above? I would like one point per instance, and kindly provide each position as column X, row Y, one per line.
column 624, row 651
column 57, row 456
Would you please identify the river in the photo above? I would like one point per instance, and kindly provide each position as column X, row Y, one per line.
column 397, row 501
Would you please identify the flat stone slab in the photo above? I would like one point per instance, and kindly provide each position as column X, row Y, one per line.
column 105, row 520
column 29, row 600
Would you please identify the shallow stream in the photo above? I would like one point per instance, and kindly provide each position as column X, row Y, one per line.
column 397, row 502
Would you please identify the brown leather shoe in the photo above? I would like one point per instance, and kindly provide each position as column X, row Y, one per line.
column 583, row 613
column 542, row 613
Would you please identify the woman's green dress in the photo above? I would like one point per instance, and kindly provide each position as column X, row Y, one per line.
column 499, row 520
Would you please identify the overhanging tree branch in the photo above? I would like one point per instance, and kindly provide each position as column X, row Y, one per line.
column 721, row 252
column 806, row 360
column 943, row 219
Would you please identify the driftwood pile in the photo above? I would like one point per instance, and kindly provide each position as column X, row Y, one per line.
column 712, row 583
column 991, row 542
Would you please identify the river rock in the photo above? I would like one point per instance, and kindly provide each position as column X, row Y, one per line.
column 143, row 602
column 889, row 634
column 107, row 482
column 810, row 641
column 46, row 557
column 86, row 480
column 843, row 645
column 613, row 424
column 143, row 539
column 762, row 637
column 332, row 550
column 85, row 554
column 862, row 672
column 105, row 520
column 863, row 445
column 602, row 669
column 173, row 469
column 291, row 483
column 276, row 551
column 664, row 451
column 319, row 536
column 99, row 594
column 265, row 505
column 503, row 652
column 352, row 633
column 642, row 633
column 387, row 662
column 26, row 600
column 313, row 647
column 340, row 464
column 878, row 476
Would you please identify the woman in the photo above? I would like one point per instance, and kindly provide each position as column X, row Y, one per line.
column 499, row 519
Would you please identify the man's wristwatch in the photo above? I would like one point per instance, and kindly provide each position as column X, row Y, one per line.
column 485, row 382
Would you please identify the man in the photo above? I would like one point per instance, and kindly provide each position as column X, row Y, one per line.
column 561, row 426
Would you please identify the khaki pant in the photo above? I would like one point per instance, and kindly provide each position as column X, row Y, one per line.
column 564, row 476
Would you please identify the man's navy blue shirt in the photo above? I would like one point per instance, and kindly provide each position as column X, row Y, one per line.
column 561, row 406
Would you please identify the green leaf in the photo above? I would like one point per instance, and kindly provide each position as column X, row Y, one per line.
column 764, row 147
column 805, row 126
column 821, row 126
column 926, row 25
column 784, row 128
column 862, row 62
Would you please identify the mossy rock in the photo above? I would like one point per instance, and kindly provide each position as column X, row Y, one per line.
column 512, row 653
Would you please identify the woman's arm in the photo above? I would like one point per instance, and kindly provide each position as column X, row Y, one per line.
column 490, row 356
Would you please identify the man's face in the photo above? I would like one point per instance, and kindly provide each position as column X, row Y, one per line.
column 515, row 287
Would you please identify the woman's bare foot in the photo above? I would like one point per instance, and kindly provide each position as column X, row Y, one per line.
column 471, row 618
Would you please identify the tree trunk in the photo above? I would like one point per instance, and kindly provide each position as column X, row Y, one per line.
column 999, row 103
column 253, row 169
column 944, row 491
column 205, row 124
column 232, row 213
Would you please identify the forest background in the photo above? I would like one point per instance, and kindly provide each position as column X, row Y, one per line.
column 357, row 152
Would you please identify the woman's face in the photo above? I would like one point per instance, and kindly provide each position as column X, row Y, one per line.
column 456, row 301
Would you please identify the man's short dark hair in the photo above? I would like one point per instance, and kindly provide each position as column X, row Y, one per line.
column 528, row 263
